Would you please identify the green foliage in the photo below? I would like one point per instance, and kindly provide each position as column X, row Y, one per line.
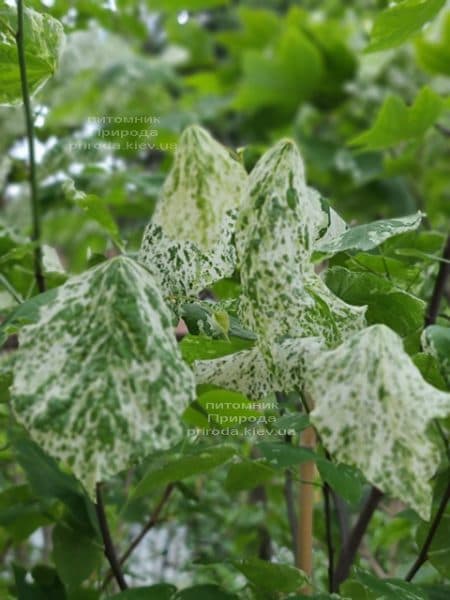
column 397, row 23
column 44, row 38
column 213, row 293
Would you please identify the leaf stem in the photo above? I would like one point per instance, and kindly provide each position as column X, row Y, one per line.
column 110, row 551
column 423, row 554
column 329, row 535
column 306, row 508
column 35, row 208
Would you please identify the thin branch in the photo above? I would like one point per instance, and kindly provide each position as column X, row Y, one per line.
column 343, row 516
column 110, row 551
column 350, row 548
column 154, row 518
column 35, row 209
column 329, row 534
column 439, row 286
column 423, row 554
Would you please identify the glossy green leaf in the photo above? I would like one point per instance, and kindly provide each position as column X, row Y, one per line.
column 247, row 474
column 108, row 376
column 204, row 592
column 439, row 551
column 366, row 237
column 44, row 38
column 399, row 22
column 396, row 122
column 401, row 311
column 369, row 388
column 390, row 589
column 178, row 467
column 434, row 56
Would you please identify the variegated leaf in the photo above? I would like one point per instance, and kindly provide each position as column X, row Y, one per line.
column 279, row 223
column 188, row 244
column 247, row 371
column 205, row 182
column 181, row 268
column 372, row 409
column 99, row 381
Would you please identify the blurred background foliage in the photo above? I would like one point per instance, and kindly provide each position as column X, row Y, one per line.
column 133, row 74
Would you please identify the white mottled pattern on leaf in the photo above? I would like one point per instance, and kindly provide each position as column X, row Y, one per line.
column 180, row 267
column 247, row 371
column 99, row 381
column 368, row 236
column 275, row 234
column 372, row 409
column 204, row 183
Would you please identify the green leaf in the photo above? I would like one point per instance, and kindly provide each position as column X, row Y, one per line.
column 21, row 512
column 96, row 209
column 48, row 481
column 204, row 592
column 178, row 5
column 276, row 78
column 435, row 56
column 247, row 474
column 178, row 467
column 390, row 589
column 44, row 38
column 436, row 341
column 343, row 479
column 398, row 23
column 271, row 577
column 99, row 382
column 205, row 319
column 160, row 591
column 220, row 409
column 396, row 122
column 401, row 311
column 367, row 236
column 282, row 455
column 75, row 556
column 200, row 347
column 369, row 389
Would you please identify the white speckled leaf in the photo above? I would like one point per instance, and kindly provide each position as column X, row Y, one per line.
column 372, row 409
column 247, row 371
column 44, row 38
column 275, row 234
column 99, row 381
column 368, row 236
column 180, row 267
column 188, row 245
column 205, row 182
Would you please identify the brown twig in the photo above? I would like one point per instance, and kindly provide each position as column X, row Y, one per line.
column 423, row 554
column 110, row 551
column 154, row 518
column 439, row 286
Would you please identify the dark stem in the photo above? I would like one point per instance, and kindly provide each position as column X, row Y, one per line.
column 350, row 548
column 423, row 554
column 329, row 535
column 154, row 517
column 343, row 516
column 439, row 286
column 442, row 129
column 110, row 551
column 35, row 212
